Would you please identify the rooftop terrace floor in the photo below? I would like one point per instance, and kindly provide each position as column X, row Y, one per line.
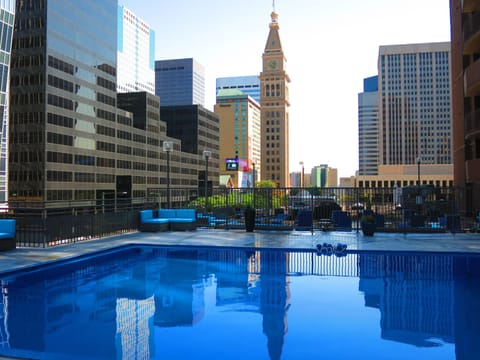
column 20, row 258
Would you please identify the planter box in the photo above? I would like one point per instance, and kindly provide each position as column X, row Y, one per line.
column 368, row 229
column 249, row 216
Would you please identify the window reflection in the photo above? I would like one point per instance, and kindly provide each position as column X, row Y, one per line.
column 86, row 126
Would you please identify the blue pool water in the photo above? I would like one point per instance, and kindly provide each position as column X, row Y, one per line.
column 205, row 303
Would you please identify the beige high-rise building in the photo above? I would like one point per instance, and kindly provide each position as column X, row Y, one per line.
column 274, row 109
column 414, row 104
column 414, row 117
column 239, row 116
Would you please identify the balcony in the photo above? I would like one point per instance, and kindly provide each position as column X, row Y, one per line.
column 471, row 33
column 472, row 169
column 470, row 6
column 472, row 122
column 471, row 79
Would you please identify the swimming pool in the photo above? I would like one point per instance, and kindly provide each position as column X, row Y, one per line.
column 145, row 302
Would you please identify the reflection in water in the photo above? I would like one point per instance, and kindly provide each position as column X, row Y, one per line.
column 467, row 307
column 414, row 295
column 133, row 327
column 274, row 299
column 118, row 302
column 425, row 298
column 179, row 298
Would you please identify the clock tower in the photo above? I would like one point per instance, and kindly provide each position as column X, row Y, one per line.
column 274, row 109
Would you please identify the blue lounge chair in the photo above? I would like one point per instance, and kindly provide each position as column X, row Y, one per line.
column 341, row 220
column 279, row 219
column 304, row 220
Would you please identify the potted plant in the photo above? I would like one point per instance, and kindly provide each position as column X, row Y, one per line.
column 368, row 221
column 249, row 216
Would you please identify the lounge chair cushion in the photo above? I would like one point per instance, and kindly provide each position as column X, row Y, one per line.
column 167, row 213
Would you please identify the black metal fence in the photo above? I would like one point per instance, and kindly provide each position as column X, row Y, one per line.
column 410, row 209
column 45, row 224
column 422, row 208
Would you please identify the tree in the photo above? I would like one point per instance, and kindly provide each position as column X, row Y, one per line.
column 266, row 184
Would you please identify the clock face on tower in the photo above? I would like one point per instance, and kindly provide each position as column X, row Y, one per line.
column 272, row 64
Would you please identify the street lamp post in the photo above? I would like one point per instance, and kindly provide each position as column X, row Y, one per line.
column 206, row 155
column 419, row 198
column 302, row 179
column 168, row 147
column 253, row 182
column 253, row 175
column 419, row 160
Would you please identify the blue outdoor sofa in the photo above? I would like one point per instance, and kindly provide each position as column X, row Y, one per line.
column 341, row 220
column 168, row 219
column 7, row 234
column 304, row 221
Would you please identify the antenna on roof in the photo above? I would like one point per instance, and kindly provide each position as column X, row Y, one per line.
column 273, row 5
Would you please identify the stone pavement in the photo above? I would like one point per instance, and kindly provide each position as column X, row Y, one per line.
column 461, row 242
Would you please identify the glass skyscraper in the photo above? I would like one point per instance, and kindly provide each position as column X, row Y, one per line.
column 136, row 53
column 72, row 137
column 180, row 82
column 63, row 91
column 7, row 14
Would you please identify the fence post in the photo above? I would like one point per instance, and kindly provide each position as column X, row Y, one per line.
column 45, row 228
column 357, row 202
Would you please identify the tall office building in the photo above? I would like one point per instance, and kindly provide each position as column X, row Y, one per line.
column 296, row 179
column 136, row 53
column 249, row 85
column 414, row 117
column 68, row 140
column 198, row 130
column 180, row 82
column 274, row 101
column 239, row 116
column 324, row 176
column 368, row 127
column 415, row 104
column 7, row 15
column 465, row 34
column 71, row 82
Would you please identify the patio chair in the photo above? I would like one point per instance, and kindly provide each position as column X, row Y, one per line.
column 222, row 216
column 304, row 221
column 279, row 219
column 341, row 220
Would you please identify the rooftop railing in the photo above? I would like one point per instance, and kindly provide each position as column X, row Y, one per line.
column 422, row 208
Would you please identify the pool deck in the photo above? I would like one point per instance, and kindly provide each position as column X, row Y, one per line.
column 20, row 258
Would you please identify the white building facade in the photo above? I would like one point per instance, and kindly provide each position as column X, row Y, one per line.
column 136, row 54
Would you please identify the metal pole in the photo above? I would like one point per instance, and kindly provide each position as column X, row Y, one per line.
column 253, row 180
column 206, row 184
column 206, row 155
column 418, row 171
column 302, row 178
column 168, row 147
column 168, row 179
column 253, row 175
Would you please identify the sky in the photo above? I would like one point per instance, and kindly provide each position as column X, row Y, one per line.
column 330, row 46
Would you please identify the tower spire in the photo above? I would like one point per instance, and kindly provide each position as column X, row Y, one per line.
column 274, row 103
column 274, row 16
